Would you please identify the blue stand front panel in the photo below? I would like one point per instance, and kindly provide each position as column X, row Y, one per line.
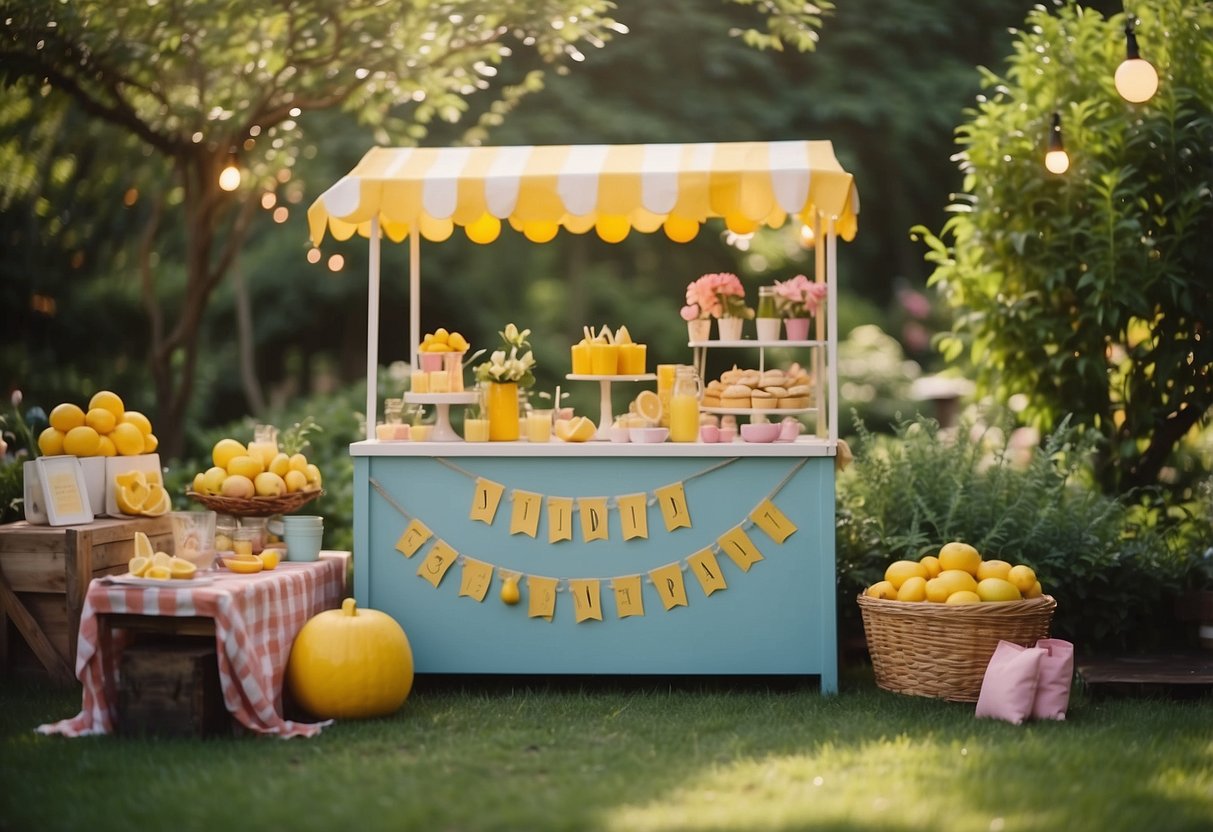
column 777, row 618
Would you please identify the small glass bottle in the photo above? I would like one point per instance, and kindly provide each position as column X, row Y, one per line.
column 393, row 426
column 767, row 322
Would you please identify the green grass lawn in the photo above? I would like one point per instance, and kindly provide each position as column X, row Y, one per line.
column 627, row 755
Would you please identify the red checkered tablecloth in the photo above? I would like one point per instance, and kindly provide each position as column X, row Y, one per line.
column 256, row 620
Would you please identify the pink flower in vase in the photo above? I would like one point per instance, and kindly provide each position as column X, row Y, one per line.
column 799, row 297
column 715, row 295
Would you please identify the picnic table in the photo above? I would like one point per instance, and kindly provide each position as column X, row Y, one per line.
column 254, row 620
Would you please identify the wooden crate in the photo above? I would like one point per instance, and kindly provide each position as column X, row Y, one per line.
column 171, row 687
column 44, row 575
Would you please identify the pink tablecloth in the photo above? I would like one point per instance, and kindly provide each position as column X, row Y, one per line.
column 256, row 620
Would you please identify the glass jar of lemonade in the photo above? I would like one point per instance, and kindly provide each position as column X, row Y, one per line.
column 684, row 405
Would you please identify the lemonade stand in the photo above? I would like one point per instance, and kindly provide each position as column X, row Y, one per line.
column 596, row 557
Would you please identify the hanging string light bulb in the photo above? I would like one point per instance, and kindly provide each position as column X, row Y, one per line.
column 229, row 177
column 1136, row 79
column 1056, row 159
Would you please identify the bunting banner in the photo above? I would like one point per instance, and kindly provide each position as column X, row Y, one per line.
column 477, row 576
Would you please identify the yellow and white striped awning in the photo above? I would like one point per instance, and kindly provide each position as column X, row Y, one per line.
column 611, row 189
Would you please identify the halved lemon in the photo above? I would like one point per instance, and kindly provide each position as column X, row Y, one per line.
column 157, row 503
column 270, row 557
column 182, row 569
column 162, row 559
column 245, row 566
column 159, row 573
column 131, row 492
column 577, row 429
column 139, row 565
column 648, row 405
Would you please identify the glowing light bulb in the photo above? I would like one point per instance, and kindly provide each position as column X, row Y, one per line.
column 229, row 178
column 1136, row 79
column 1056, row 158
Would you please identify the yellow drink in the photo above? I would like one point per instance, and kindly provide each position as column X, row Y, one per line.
column 684, row 418
column 421, row 381
column 539, row 426
column 242, row 547
column 440, row 382
column 476, row 430
column 580, row 354
column 420, row 433
column 604, row 359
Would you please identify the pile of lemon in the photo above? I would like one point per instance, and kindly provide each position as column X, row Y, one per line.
column 239, row 471
column 158, row 566
column 442, row 341
column 957, row 575
column 105, row 428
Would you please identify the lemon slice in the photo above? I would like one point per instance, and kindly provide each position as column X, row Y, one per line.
column 131, row 492
column 182, row 569
column 162, row 559
column 139, row 565
column 577, row 429
column 648, row 405
column 157, row 503
column 143, row 546
column 159, row 573
column 245, row 566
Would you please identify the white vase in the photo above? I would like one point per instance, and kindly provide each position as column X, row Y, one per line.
column 768, row 328
column 699, row 329
column 729, row 329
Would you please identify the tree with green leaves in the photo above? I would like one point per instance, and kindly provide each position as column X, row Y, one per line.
column 1089, row 292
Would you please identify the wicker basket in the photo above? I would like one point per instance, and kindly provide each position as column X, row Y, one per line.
column 255, row 506
column 942, row 650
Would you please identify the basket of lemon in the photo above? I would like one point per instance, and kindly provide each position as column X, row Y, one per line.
column 932, row 625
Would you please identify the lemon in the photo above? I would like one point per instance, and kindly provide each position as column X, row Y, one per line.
column 269, row 484
column 66, row 416
column 963, row 597
column 298, row 463
column 295, row 481
column 139, row 566
column 143, row 546
column 1022, row 576
column 214, row 477
column 998, row 589
column 131, row 491
column 314, row 480
column 899, row 570
column 882, row 589
column 932, row 564
column 237, row 485
column 1035, row 592
column 50, row 442
column 993, row 569
column 955, row 580
column 150, row 443
column 107, row 400
column 457, row 342
column 127, row 439
column 245, row 465
column 280, row 464
column 182, row 569
column 577, row 429
column 648, row 405
column 199, row 486
column 957, row 555
column 106, row 447
column 162, row 559
column 159, row 573
column 138, row 420
column 245, row 566
column 157, row 503
column 82, row 441
column 913, row 589
column 100, row 420
column 225, row 450
column 269, row 557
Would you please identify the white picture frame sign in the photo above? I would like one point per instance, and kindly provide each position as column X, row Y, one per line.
column 64, row 491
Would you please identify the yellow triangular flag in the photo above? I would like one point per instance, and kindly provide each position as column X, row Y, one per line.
column 773, row 521
column 707, row 570
column 485, row 500
column 524, row 519
column 541, row 597
column 593, row 518
column 439, row 559
column 414, row 538
column 737, row 545
column 673, row 502
column 476, row 578
column 560, row 519
column 633, row 515
column 670, row 588
column 587, row 600
column 628, row 598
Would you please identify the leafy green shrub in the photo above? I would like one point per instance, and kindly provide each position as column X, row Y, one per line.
column 905, row 496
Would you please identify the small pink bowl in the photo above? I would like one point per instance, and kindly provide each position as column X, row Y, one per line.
column 761, row 432
column 648, row 435
column 709, row 433
column 619, row 434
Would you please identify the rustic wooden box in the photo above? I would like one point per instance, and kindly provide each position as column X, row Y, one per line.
column 44, row 575
column 171, row 688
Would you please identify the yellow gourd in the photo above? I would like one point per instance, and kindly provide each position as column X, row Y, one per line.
column 509, row 590
column 350, row 663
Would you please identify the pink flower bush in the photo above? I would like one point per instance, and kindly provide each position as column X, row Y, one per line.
column 799, row 297
column 716, row 296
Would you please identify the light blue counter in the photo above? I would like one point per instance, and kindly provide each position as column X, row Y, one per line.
column 776, row 618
